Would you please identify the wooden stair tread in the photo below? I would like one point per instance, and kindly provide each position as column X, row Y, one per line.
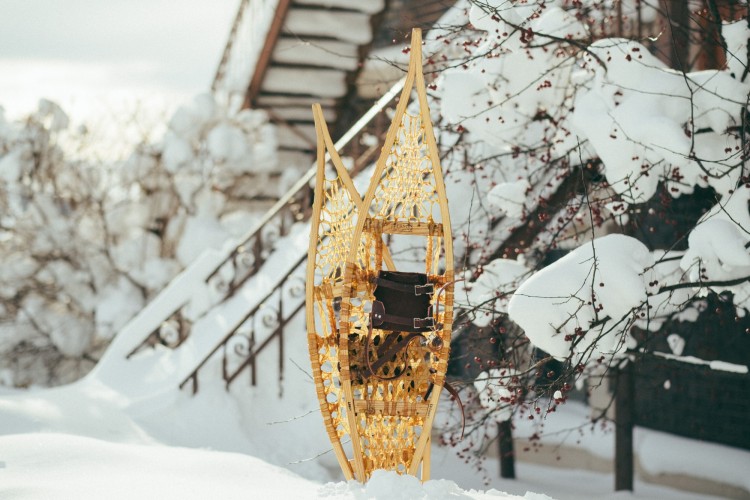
column 268, row 99
column 327, row 82
column 367, row 6
column 352, row 27
column 297, row 113
column 324, row 53
column 295, row 140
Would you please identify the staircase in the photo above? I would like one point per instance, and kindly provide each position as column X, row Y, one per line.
column 294, row 53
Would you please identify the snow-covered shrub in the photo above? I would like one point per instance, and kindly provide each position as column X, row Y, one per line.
column 567, row 134
column 85, row 244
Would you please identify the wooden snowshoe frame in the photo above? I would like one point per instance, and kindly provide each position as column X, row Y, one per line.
column 388, row 419
column 335, row 208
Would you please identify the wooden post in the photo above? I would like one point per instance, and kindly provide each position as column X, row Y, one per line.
column 678, row 42
column 624, row 416
column 505, row 445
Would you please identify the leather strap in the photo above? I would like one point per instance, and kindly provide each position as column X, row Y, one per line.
column 388, row 351
column 453, row 392
column 384, row 356
column 401, row 320
column 416, row 288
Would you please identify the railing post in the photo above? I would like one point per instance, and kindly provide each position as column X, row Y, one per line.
column 624, row 417
column 505, row 446
column 253, row 371
column 280, row 333
column 257, row 250
column 224, row 372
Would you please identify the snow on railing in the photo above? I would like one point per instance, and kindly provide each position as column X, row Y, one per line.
column 718, row 365
column 242, row 341
column 243, row 50
column 256, row 330
column 243, row 260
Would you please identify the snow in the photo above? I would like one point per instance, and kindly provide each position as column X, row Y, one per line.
column 148, row 439
column 88, row 440
column 369, row 6
column 648, row 124
column 488, row 295
column 126, row 471
column 570, row 306
column 718, row 245
column 736, row 35
column 98, row 469
column 129, row 425
column 353, row 27
column 116, row 304
column 127, row 430
column 635, row 116
column 509, row 197
column 731, row 467
column 388, row 485
column 102, row 237
column 495, row 390
column 717, row 365
column 11, row 165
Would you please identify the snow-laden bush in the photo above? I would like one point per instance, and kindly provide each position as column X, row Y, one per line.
column 85, row 244
column 567, row 135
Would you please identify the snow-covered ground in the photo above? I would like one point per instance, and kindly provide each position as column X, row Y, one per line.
column 127, row 431
column 93, row 439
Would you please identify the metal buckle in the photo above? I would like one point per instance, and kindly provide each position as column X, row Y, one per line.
column 426, row 322
column 434, row 342
column 429, row 287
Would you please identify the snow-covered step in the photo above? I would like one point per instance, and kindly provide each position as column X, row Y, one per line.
column 325, row 53
column 300, row 113
column 271, row 100
column 306, row 81
column 295, row 159
column 368, row 6
column 352, row 27
column 289, row 139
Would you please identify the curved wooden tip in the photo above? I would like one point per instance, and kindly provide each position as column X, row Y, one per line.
column 416, row 44
column 316, row 111
column 416, row 34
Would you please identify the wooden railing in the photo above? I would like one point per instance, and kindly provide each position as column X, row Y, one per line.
column 255, row 22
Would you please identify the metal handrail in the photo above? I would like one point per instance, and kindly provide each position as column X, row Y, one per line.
column 255, row 246
column 282, row 319
column 249, row 361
